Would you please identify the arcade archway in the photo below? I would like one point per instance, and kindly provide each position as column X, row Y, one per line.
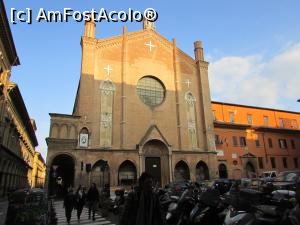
column 127, row 174
column 223, row 171
column 182, row 171
column 61, row 175
column 202, row 172
column 100, row 174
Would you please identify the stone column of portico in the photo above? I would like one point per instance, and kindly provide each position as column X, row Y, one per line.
column 77, row 172
column 193, row 171
column 170, row 164
column 141, row 167
column 113, row 172
column 206, row 108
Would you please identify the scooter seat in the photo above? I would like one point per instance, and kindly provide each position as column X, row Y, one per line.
column 269, row 210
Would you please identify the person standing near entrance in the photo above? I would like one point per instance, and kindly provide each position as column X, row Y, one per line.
column 80, row 200
column 142, row 206
column 69, row 202
column 92, row 198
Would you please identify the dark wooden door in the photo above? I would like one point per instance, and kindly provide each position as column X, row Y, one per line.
column 152, row 166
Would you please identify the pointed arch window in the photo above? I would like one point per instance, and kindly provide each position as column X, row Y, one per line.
column 191, row 119
column 107, row 89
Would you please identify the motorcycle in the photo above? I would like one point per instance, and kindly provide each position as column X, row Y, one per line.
column 254, row 212
column 208, row 209
column 178, row 213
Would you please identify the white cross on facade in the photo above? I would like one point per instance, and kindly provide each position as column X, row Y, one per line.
column 150, row 45
column 188, row 82
column 108, row 69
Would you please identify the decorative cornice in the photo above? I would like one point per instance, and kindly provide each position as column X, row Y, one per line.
column 59, row 143
column 203, row 64
column 88, row 41
column 276, row 130
column 107, row 150
column 7, row 38
column 64, row 116
column 193, row 152
column 254, row 107
column 19, row 113
column 220, row 124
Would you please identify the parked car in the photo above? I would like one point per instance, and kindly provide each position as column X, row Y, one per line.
column 269, row 175
column 223, row 185
column 27, row 207
column 286, row 180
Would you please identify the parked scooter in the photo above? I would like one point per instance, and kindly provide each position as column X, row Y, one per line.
column 178, row 213
column 207, row 209
column 253, row 212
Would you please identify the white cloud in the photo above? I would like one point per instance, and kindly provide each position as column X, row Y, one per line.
column 255, row 81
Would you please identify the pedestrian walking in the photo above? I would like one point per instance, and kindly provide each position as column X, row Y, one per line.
column 142, row 206
column 80, row 200
column 69, row 202
column 93, row 199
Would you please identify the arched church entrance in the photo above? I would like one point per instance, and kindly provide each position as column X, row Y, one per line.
column 100, row 174
column 202, row 172
column 61, row 175
column 223, row 171
column 250, row 170
column 156, row 161
column 127, row 173
column 182, row 171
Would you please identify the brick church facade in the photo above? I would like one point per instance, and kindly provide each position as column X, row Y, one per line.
column 142, row 104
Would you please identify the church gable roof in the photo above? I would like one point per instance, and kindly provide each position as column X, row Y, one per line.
column 136, row 35
column 153, row 133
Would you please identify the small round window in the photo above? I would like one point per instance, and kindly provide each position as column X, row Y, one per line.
column 150, row 90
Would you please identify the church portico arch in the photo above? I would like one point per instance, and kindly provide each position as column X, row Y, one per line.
column 202, row 171
column 127, row 173
column 62, row 171
column 100, row 173
column 155, row 160
column 181, row 171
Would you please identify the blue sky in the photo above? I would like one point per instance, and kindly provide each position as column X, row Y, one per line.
column 253, row 48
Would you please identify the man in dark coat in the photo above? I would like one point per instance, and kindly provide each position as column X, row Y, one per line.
column 142, row 206
column 80, row 200
column 92, row 198
column 69, row 202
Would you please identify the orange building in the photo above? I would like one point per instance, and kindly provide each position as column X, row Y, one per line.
column 250, row 140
